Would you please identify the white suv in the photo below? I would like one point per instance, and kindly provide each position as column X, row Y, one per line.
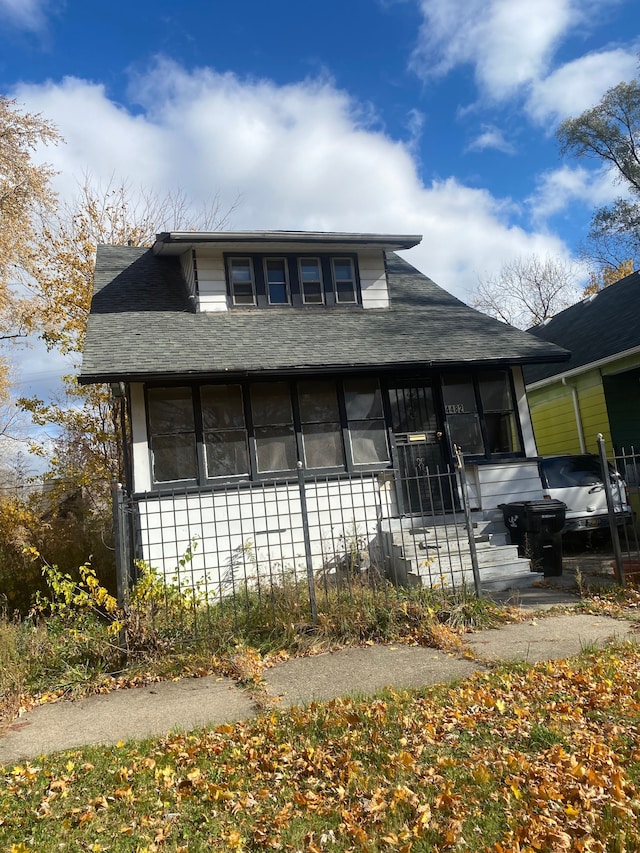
column 577, row 481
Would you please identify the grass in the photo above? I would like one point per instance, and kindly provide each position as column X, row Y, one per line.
column 72, row 651
column 520, row 758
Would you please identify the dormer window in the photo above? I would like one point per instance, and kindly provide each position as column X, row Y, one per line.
column 243, row 289
column 344, row 279
column 311, row 281
column 266, row 281
column 277, row 280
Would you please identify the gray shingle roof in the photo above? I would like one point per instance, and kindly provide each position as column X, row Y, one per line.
column 143, row 326
column 593, row 329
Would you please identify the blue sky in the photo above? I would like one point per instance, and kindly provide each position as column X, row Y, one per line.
column 434, row 117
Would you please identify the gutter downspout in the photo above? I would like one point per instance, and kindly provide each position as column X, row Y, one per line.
column 576, row 410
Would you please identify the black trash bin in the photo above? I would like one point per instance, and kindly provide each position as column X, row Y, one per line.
column 535, row 527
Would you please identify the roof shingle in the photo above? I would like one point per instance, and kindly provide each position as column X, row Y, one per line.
column 143, row 326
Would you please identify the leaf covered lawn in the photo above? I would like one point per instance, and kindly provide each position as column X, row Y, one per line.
column 543, row 758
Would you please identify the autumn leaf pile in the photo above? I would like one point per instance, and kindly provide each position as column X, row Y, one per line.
column 520, row 759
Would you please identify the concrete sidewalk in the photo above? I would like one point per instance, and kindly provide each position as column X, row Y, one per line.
column 192, row 702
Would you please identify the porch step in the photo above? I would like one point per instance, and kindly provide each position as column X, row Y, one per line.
column 436, row 554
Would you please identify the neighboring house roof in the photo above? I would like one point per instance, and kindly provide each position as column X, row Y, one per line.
column 596, row 329
column 143, row 326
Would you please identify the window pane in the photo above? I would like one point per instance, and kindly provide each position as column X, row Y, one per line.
column 465, row 432
column 222, row 406
column 241, row 272
column 311, row 281
column 345, row 291
column 318, row 401
column 459, row 395
column 322, row 445
column 502, row 432
column 344, row 280
column 271, row 403
column 170, row 410
column 363, row 399
column 343, row 269
column 310, row 269
column 276, row 448
column 368, row 442
column 174, row 457
column 312, row 293
column 496, row 392
column 276, row 275
column 226, row 453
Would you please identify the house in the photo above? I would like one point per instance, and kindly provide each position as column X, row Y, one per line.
column 598, row 389
column 282, row 382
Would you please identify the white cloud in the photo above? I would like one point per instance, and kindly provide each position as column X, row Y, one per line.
column 580, row 84
column 509, row 42
column 491, row 138
column 302, row 156
column 559, row 188
column 30, row 15
column 512, row 46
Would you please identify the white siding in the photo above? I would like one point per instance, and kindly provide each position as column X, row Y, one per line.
column 249, row 531
column 373, row 279
column 140, row 451
column 212, row 285
column 524, row 414
column 500, row 483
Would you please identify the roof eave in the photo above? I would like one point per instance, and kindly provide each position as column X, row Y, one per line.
column 89, row 379
column 176, row 242
column 582, row 368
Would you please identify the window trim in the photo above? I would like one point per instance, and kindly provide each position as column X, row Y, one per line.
column 252, row 272
column 287, row 285
column 342, row 258
column 320, row 280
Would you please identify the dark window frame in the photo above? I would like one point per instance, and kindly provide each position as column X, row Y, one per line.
column 294, row 284
column 476, row 375
column 348, row 466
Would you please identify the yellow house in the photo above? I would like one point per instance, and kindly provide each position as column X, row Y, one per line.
column 598, row 389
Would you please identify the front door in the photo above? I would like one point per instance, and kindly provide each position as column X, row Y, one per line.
column 427, row 482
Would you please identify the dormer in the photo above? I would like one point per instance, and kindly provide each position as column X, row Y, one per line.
column 249, row 270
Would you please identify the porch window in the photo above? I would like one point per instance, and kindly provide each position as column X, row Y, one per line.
column 243, row 290
column 320, row 424
column 311, row 281
column 225, row 433
column 365, row 420
column 499, row 413
column 461, row 410
column 480, row 412
column 273, row 427
column 172, row 434
column 344, row 280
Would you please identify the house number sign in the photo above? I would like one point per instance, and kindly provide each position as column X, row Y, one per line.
column 454, row 409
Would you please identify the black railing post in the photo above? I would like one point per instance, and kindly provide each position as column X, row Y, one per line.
column 307, row 544
column 467, row 519
column 615, row 539
column 121, row 536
